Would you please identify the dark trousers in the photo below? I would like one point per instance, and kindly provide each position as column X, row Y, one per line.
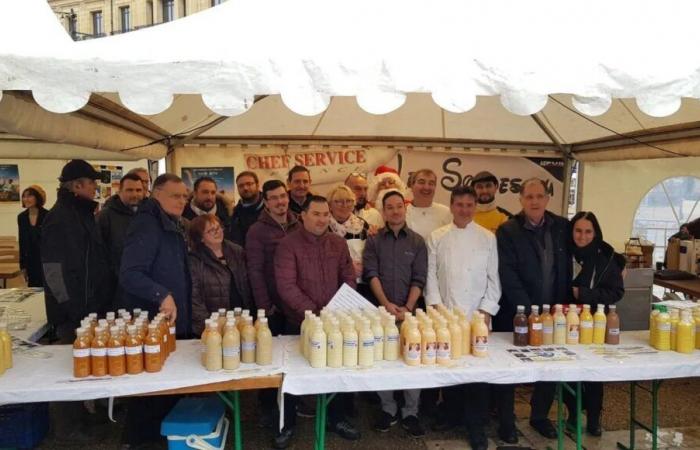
column 468, row 403
column 540, row 402
column 591, row 402
column 144, row 416
column 336, row 409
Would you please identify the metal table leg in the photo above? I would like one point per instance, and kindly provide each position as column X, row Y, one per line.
column 232, row 400
column 322, row 401
column 562, row 426
column 634, row 423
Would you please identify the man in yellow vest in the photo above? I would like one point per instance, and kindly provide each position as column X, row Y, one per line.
column 488, row 215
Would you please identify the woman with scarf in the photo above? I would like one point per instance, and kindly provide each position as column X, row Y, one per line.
column 597, row 280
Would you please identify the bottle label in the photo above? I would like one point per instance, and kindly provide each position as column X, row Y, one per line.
column 378, row 340
column 151, row 349
column 231, row 352
column 134, row 350
column 315, row 345
column 587, row 324
column 573, row 331
column 368, row 343
column 349, row 343
column 331, row 345
column 248, row 346
column 81, row 352
column 430, row 351
column 115, row 351
column 172, row 330
column 98, row 352
column 413, row 353
column 560, row 326
column 547, row 330
column 393, row 338
column 481, row 343
column 599, row 325
column 443, row 351
column 664, row 327
column 521, row 330
column 536, row 326
column 165, row 338
column 613, row 331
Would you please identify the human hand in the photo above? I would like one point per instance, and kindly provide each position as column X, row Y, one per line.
column 358, row 268
column 373, row 230
column 487, row 317
column 575, row 289
column 169, row 308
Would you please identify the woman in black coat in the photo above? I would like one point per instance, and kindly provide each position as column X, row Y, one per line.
column 597, row 280
column 29, row 224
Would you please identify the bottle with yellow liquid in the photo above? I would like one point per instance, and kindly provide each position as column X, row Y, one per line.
column 428, row 345
column 675, row 318
column 231, row 345
column 696, row 316
column 411, row 353
column 455, row 337
column 663, row 332
column 586, row 330
column 466, row 328
column 444, row 343
column 652, row 327
column 480, row 333
column 6, row 343
column 392, row 340
column 365, row 351
column 334, row 344
column 378, row 333
column 572, row 326
column 248, row 349
column 600, row 321
column 317, row 346
column 214, row 353
column 350, row 344
column 547, row 326
column 559, row 325
column 685, row 339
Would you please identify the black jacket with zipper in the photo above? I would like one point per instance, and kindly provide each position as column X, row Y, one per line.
column 74, row 261
column 607, row 287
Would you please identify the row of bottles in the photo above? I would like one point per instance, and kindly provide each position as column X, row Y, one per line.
column 121, row 346
column 676, row 330
column 5, row 348
column 566, row 329
column 230, row 338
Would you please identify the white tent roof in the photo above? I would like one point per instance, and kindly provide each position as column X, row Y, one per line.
column 451, row 74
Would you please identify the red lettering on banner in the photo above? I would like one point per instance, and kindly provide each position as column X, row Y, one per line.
column 360, row 157
column 310, row 159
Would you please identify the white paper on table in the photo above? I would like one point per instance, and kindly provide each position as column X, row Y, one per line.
column 348, row 298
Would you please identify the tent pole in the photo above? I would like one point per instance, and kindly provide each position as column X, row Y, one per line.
column 568, row 166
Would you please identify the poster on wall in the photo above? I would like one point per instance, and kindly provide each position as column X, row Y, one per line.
column 330, row 165
column 108, row 183
column 222, row 175
column 9, row 183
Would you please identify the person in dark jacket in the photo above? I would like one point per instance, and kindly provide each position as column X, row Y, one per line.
column 248, row 208
column 218, row 269
column 535, row 268
column 597, row 280
column 29, row 224
column 72, row 254
column 155, row 276
column 114, row 220
column 205, row 201
column 299, row 185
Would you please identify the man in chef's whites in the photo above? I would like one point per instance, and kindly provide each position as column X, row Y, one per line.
column 463, row 273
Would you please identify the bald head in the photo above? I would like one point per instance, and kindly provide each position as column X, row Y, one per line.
column 358, row 184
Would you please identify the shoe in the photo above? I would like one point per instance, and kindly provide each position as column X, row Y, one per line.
column 305, row 410
column 478, row 439
column 442, row 423
column 283, row 438
column 385, row 422
column 545, row 428
column 508, row 434
column 345, row 430
column 594, row 429
column 412, row 425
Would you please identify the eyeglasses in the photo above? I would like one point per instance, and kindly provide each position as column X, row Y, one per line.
column 213, row 231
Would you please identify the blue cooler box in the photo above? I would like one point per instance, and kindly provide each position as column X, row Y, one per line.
column 196, row 423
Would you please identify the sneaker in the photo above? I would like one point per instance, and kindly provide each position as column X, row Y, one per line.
column 508, row 433
column 545, row 428
column 385, row 422
column 345, row 430
column 412, row 425
column 283, row 439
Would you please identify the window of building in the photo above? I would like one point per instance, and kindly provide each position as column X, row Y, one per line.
column 664, row 209
column 72, row 24
column 125, row 15
column 97, row 24
column 168, row 10
column 149, row 12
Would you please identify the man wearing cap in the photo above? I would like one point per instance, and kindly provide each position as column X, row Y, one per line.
column 488, row 215
column 72, row 254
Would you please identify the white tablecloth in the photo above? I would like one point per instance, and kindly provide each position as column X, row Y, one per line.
column 499, row 367
column 39, row 380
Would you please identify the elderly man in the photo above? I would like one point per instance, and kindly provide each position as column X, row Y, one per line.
column 311, row 264
column 357, row 182
column 463, row 273
column 535, row 269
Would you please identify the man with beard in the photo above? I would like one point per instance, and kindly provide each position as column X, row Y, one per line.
column 357, row 182
column 204, row 201
column 488, row 215
column 249, row 207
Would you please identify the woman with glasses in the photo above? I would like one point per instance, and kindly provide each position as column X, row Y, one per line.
column 218, row 270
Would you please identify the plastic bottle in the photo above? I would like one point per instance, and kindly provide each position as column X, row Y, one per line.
column 455, row 337
column 116, row 362
column 2, row 359
column 378, row 332
column 547, row 326
column 520, row 327
column 480, row 331
column 172, row 337
column 202, row 342
column 248, row 340
column 231, row 345
column 318, row 345
column 685, row 340
column 428, row 345
column 165, row 334
column 391, row 340
column 334, row 345
column 98, row 353
column 151, row 350
column 411, row 353
column 260, row 315
column 403, row 330
column 663, row 332
column 303, row 337
column 444, row 343
column 110, row 317
column 6, row 343
column 612, row 336
column 559, row 325
column 466, row 334
column 81, row 354
column 535, row 327
column 696, row 316
column 133, row 347
column 365, row 355
column 599, row 324
column 263, row 345
column 214, row 355
column 675, row 318
column 586, row 336
column 350, row 340
column 572, row 326
column 653, row 315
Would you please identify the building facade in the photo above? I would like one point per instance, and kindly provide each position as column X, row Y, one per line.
column 86, row 19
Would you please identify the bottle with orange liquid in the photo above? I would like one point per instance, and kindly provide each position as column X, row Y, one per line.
column 98, row 353
column 81, row 354
column 116, row 361
column 152, row 350
column 535, row 327
column 133, row 348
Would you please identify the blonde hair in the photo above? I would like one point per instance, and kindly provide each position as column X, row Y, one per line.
column 335, row 191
